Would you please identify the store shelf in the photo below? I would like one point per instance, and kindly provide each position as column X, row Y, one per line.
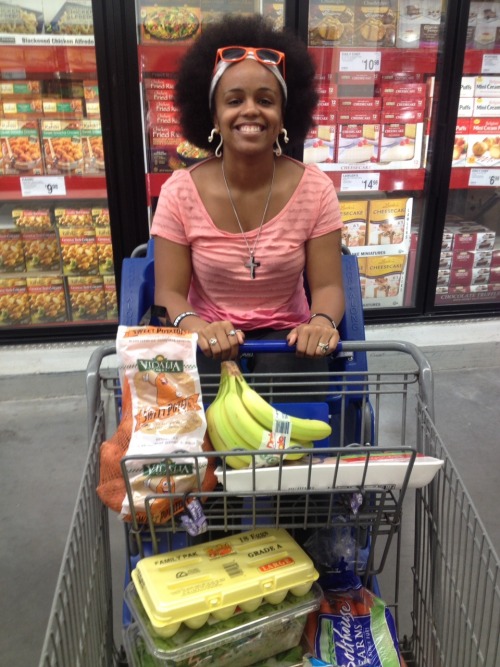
column 77, row 187
column 48, row 60
column 460, row 178
column 421, row 61
column 473, row 61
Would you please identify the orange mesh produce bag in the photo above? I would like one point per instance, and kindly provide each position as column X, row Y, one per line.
column 162, row 413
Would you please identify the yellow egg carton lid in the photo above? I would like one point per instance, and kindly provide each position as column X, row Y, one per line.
column 215, row 578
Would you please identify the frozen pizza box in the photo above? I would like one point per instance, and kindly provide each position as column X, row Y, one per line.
column 47, row 299
column 483, row 148
column 41, row 251
column 22, row 18
column 20, row 149
column 245, row 638
column 71, row 18
column 168, row 22
column 14, row 302
column 11, row 250
column 86, row 298
column 331, row 24
column 375, row 23
column 354, row 214
column 62, row 146
column 78, row 251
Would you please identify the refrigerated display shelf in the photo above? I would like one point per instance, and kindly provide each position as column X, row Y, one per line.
column 77, row 187
column 48, row 59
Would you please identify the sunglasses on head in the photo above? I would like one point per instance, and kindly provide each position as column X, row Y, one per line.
column 234, row 54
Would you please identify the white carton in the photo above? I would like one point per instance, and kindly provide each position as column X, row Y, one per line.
column 486, row 86
column 486, row 107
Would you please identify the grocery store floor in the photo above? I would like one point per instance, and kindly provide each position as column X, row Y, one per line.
column 43, row 439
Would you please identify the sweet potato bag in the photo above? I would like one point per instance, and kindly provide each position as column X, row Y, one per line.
column 162, row 414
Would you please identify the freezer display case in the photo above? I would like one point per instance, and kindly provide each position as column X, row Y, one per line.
column 56, row 255
column 468, row 271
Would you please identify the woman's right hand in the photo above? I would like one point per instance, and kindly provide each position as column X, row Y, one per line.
column 220, row 340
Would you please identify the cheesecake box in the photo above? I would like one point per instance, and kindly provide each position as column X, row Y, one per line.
column 319, row 146
column 419, row 24
column 331, row 24
column 401, row 138
column 389, row 222
column 354, row 214
column 383, row 280
column 358, row 142
column 375, row 23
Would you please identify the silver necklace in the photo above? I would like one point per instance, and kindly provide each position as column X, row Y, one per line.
column 252, row 263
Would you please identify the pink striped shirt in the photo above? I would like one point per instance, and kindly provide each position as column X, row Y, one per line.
column 221, row 286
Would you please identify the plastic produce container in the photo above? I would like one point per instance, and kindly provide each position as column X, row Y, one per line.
column 269, row 636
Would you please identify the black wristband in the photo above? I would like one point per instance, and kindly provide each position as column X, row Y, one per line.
column 327, row 317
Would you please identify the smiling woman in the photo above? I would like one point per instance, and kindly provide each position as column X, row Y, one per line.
column 235, row 234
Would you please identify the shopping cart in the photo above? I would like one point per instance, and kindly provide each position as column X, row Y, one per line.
column 428, row 549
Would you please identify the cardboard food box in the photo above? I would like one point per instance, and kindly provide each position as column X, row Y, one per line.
column 384, row 280
column 16, row 18
column 354, row 215
column 78, row 251
column 389, row 221
column 104, row 250
column 162, row 84
column 72, row 18
column 467, row 86
column 41, row 251
column 401, row 138
column 92, row 146
column 110, row 297
column 14, row 302
column 73, row 217
column 358, row 142
column 32, row 218
column 478, row 276
column 47, row 299
column 470, row 236
column 486, row 19
column 471, row 259
column 11, row 250
column 486, row 107
column 461, row 143
column 465, row 107
column 62, row 146
column 483, row 148
column 86, row 298
column 22, row 108
column 20, row 148
column 375, row 23
column 319, row 146
column 163, row 144
column 168, row 24
column 419, row 23
column 59, row 107
column 486, row 86
column 20, row 88
column 331, row 24
column 100, row 216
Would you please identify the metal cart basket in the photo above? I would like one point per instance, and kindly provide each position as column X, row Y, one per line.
column 425, row 549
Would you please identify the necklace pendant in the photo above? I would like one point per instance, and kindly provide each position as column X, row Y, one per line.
column 252, row 264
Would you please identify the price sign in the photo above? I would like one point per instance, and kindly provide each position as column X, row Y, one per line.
column 360, row 182
column 491, row 63
column 360, row 61
column 484, row 177
column 43, row 186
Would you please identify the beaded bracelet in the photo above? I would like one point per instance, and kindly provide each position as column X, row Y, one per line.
column 180, row 317
column 332, row 322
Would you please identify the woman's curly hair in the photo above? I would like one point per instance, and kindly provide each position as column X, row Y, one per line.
column 196, row 69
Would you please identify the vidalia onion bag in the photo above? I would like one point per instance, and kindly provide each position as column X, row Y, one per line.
column 162, row 414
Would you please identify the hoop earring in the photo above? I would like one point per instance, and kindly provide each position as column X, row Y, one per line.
column 211, row 137
column 278, row 150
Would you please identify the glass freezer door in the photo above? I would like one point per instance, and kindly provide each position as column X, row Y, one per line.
column 56, row 258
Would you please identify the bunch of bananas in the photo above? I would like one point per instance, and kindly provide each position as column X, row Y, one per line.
column 239, row 418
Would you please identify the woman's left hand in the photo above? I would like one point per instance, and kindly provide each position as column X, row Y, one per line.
column 313, row 339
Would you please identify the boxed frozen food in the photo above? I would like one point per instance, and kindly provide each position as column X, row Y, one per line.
column 59, row 107
column 162, row 84
column 358, row 142
column 20, row 148
column 486, row 86
column 389, row 221
column 14, row 302
column 419, row 23
column 245, row 638
column 100, row 216
column 463, row 276
column 20, row 20
column 401, row 138
column 41, row 250
column 47, row 299
column 331, row 24
column 167, row 23
column 486, row 107
column 461, row 143
column 465, row 107
column 62, row 146
column 470, row 236
column 383, row 280
column 32, row 218
column 93, row 150
column 242, row 570
column 110, row 297
column 104, row 250
column 22, row 108
column 486, row 25
column 20, row 87
column 86, row 297
column 319, row 146
column 354, row 215
column 67, row 216
column 11, row 250
column 471, row 259
column 72, row 18
column 78, row 251
column 375, row 23
column 275, row 13
column 467, row 86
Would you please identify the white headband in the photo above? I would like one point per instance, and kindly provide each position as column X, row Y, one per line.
column 222, row 66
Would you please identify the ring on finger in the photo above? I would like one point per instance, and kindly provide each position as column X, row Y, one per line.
column 231, row 333
column 213, row 341
column 324, row 347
